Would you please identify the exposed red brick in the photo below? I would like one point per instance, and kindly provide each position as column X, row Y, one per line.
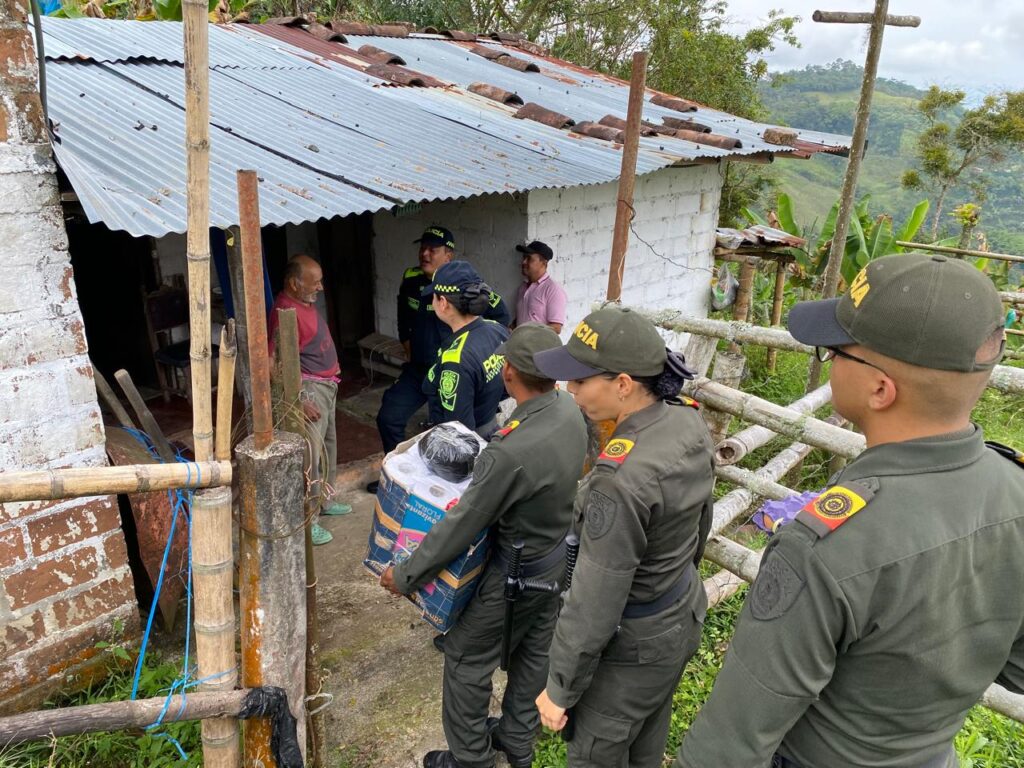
column 30, row 116
column 116, row 551
column 17, row 10
column 12, row 547
column 65, row 283
column 77, row 331
column 68, row 527
column 51, row 577
column 16, row 51
column 98, row 601
column 14, row 510
column 4, row 134
column 21, row 634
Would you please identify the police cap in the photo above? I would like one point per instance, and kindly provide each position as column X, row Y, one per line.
column 435, row 235
column 526, row 340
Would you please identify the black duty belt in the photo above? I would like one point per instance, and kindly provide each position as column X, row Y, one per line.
column 638, row 610
column 530, row 569
column 939, row 761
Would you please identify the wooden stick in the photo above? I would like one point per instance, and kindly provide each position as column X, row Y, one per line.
column 741, row 309
column 255, row 307
column 776, row 318
column 118, row 715
column 961, row 251
column 837, row 251
column 149, row 425
column 627, row 176
column 737, row 446
column 46, row 484
column 105, row 392
column 844, row 17
column 225, row 390
column 785, row 421
column 243, row 378
column 722, row 586
column 1012, row 298
column 728, row 372
column 757, row 483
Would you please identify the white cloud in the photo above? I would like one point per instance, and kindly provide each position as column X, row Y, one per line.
column 973, row 44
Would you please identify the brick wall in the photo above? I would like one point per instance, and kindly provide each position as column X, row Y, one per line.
column 64, row 576
column 486, row 231
column 676, row 216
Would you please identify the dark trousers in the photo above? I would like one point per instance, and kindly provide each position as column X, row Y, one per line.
column 472, row 650
column 401, row 400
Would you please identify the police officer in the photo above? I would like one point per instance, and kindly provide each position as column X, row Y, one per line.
column 634, row 614
column 893, row 600
column 421, row 333
column 523, row 484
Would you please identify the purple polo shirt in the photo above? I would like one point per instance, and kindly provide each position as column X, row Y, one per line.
column 541, row 302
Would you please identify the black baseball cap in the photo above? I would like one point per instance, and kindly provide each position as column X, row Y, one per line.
column 924, row 309
column 435, row 235
column 541, row 249
column 527, row 340
column 611, row 340
column 452, row 278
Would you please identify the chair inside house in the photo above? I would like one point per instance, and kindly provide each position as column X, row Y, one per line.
column 166, row 311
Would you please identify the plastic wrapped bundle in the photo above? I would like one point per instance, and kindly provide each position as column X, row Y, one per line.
column 449, row 453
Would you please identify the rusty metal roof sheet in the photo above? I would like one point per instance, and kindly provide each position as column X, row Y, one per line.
column 328, row 136
column 758, row 234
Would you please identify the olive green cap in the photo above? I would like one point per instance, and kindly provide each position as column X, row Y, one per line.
column 610, row 340
column 923, row 309
column 526, row 340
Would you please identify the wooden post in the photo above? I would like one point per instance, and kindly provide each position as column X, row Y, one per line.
column 860, row 133
column 243, row 378
column 287, row 351
column 627, row 176
column 777, row 297
column 145, row 416
column 106, row 394
column 225, row 392
column 728, row 372
column 255, row 307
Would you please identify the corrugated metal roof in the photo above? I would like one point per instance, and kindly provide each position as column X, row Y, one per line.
column 757, row 234
column 327, row 137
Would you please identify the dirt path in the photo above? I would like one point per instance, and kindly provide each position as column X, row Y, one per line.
column 380, row 663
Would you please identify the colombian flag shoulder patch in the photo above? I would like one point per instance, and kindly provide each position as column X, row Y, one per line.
column 616, row 451
column 824, row 513
column 508, row 428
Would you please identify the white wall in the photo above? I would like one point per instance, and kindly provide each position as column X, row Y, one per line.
column 676, row 214
column 486, row 231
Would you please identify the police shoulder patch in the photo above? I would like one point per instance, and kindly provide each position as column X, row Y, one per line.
column 775, row 589
column 482, row 465
column 509, row 426
column 1007, row 452
column 599, row 514
column 833, row 507
column 615, row 452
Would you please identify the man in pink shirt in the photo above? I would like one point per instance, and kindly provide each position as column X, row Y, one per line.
column 540, row 299
column 318, row 361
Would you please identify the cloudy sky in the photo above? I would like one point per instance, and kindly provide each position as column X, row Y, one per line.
column 977, row 45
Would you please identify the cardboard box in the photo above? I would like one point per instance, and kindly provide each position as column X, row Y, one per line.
column 410, row 501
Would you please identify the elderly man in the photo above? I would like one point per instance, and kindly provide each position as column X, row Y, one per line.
column 884, row 610
column 318, row 360
column 540, row 298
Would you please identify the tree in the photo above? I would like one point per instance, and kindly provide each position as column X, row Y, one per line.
column 958, row 147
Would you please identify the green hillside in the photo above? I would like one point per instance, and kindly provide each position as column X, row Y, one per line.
column 825, row 99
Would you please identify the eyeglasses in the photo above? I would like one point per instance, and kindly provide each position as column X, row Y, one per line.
column 824, row 354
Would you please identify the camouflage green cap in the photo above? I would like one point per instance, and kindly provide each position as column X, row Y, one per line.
column 525, row 341
column 610, row 340
column 923, row 309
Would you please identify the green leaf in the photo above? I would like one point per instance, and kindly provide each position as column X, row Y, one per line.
column 167, row 10
column 784, row 210
column 881, row 242
column 753, row 217
column 856, row 256
column 917, row 217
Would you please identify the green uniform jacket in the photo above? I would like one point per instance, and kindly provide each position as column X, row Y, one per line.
column 524, row 480
column 867, row 647
column 642, row 517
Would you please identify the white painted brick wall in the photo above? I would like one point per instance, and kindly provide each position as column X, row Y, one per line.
column 676, row 216
column 486, row 231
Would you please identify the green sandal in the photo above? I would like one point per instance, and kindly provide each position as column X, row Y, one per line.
column 320, row 535
column 336, row 509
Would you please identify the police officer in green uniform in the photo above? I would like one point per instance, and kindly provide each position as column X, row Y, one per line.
column 523, row 485
column 421, row 333
column 464, row 383
column 634, row 614
column 884, row 610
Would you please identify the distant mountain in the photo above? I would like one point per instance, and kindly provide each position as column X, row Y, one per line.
column 824, row 98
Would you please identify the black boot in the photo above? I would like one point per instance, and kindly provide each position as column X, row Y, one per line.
column 372, row 487
column 515, row 759
column 439, row 642
column 440, row 759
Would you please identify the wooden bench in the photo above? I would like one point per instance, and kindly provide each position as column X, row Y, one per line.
column 381, row 354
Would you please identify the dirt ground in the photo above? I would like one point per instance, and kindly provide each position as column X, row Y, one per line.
column 377, row 655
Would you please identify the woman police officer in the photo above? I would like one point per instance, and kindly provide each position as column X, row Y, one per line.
column 634, row 614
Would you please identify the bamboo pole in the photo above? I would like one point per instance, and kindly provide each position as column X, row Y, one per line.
column 843, row 17
column 255, row 308
column 243, row 378
column 146, row 419
column 1012, row 298
column 785, row 421
column 47, row 484
column 961, row 251
column 627, row 176
column 225, row 391
column 106, row 393
column 197, row 176
column 777, row 297
column 1004, row 378
column 722, row 586
column 117, row 715
column 756, row 483
column 734, row 448
column 741, row 308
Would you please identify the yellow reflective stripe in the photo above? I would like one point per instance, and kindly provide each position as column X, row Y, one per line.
column 413, row 272
column 454, row 353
